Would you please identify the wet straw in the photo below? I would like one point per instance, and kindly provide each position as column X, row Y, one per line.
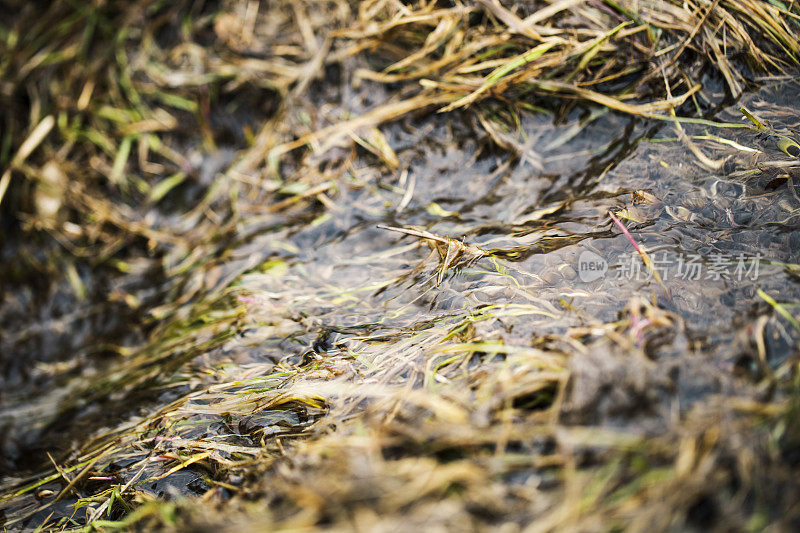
column 641, row 251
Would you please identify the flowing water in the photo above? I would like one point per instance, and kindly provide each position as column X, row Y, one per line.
column 527, row 256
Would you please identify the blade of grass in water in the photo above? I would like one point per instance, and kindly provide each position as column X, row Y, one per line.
column 647, row 262
column 779, row 308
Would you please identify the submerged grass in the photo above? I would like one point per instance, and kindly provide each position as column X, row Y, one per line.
column 207, row 165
